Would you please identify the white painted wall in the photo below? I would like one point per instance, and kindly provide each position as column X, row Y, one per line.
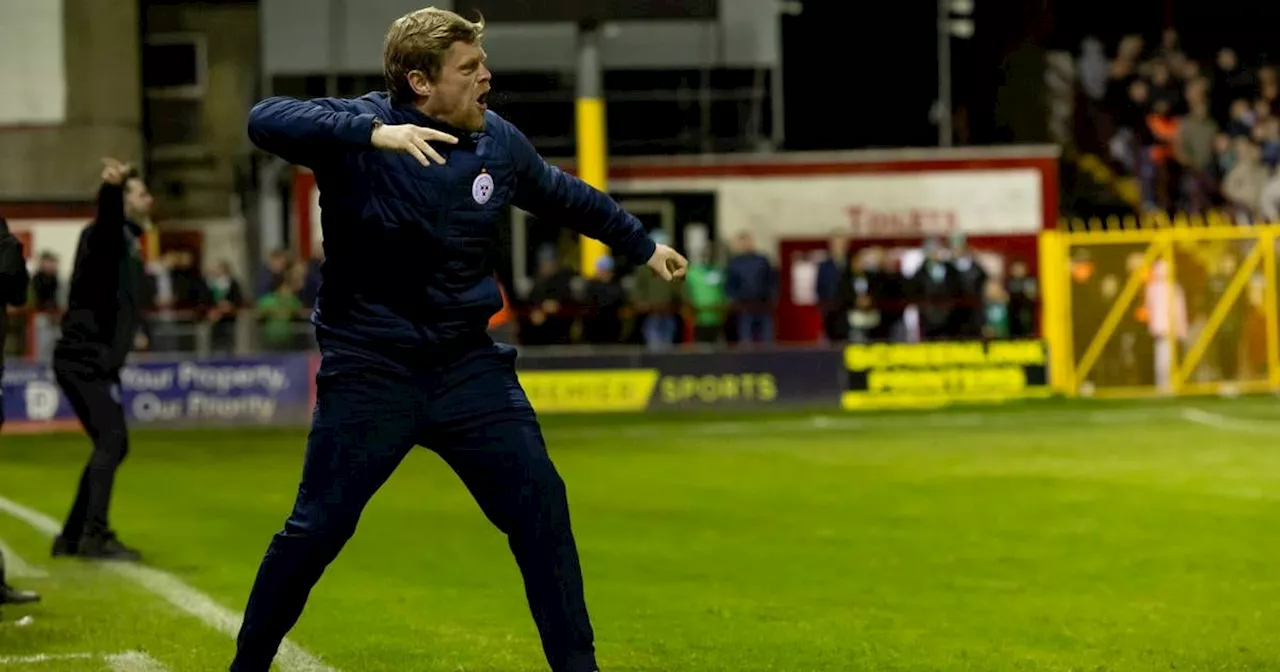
column 33, row 72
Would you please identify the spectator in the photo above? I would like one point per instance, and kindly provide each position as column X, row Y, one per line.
column 549, row 323
column 704, row 291
column 46, row 295
column 1023, row 292
column 935, row 289
column 1230, row 83
column 1267, row 136
column 1261, row 112
column 188, row 286
column 1196, row 92
column 1224, row 157
column 971, row 284
column 1164, row 133
column 1269, row 201
column 45, row 286
column 1092, row 68
column 1170, row 49
column 1242, row 118
column 856, row 301
column 1124, row 71
column 277, row 312
column 996, row 322
column 751, row 284
column 272, row 272
column 1244, row 184
column 225, row 299
column 311, row 281
column 830, row 287
column 1163, row 86
column 655, row 302
column 163, row 291
column 604, row 301
column 1166, row 328
column 1195, row 152
column 1269, row 90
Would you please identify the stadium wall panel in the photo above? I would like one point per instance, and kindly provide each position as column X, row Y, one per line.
column 279, row 390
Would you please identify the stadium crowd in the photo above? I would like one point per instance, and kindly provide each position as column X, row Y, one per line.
column 1197, row 136
column 865, row 294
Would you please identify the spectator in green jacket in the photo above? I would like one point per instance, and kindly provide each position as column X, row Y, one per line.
column 704, row 290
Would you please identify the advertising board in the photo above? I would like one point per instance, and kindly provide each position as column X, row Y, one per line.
column 280, row 390
column 259, row 390
column 924, row 375
column 685, row 381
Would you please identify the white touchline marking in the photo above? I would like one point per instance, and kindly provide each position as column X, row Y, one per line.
column 133, row 661
column 290, row 658
column 18, row 568
column 1228, row 423
column 45, row 658
column 129, row 661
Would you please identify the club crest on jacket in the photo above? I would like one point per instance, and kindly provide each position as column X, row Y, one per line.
column 482, row 188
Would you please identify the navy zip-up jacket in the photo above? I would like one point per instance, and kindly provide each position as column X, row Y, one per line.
column 410, row 249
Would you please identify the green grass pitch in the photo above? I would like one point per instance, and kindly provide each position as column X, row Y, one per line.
column 1041, row 537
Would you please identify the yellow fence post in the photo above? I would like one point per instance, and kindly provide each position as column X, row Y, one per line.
column 1217, row 316
column 1269, row 307
column 1055, row 307
column 1171, row 297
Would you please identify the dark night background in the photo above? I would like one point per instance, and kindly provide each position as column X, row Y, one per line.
column 865, row 74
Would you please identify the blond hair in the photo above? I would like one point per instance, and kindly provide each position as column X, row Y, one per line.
column 418, row 41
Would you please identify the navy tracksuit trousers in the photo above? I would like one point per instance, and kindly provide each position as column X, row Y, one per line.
column 370, row 411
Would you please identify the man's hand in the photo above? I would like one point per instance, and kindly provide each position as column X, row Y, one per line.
column 410, row 139
column 114, row 172
column 667, row 264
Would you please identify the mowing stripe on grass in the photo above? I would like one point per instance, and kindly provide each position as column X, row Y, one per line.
column 291, row 658
column 894, row 422
column 15, row 566
column 133, row 661
column 1228, row 423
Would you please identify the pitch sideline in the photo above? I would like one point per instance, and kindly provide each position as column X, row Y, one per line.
column 129, row 661
column 291, row 657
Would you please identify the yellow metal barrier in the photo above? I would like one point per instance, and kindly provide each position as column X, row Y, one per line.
column 1161, row 306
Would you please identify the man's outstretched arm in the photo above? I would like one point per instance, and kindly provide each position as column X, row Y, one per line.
column 105, row 238
column 305, row 132
column 553, row 194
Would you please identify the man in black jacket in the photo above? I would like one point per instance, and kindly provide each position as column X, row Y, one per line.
column 98, row 331
column 13, row 291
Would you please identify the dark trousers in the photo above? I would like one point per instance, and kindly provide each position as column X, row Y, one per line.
column 97, row 403
column 472, row 411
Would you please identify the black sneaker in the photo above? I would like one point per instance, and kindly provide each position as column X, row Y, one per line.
column 107, row 547
column 11, row 595
column 63, row 546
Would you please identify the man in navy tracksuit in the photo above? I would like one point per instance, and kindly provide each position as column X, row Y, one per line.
column 407, row 291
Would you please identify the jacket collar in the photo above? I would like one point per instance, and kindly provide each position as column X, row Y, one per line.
column 431, row 122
